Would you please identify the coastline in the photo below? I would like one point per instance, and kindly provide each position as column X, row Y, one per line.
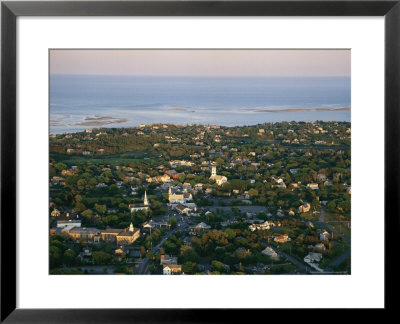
column 140, row 126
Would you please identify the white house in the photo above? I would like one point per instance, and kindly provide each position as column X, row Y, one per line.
column 313, row 257
column 313, row 186
column 67, row 220
column 270, row 252
column 172, row 269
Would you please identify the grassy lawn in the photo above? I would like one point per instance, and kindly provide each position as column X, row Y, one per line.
column 115, row 159
column 338, row 250
column 344, row 266
column 331, row 217
column 342, row 229
column 284, row 268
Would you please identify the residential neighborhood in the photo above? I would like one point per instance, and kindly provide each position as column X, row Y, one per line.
column 167, row 199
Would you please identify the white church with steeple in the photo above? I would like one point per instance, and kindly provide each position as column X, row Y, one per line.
column 220, row 180
column 144, row 207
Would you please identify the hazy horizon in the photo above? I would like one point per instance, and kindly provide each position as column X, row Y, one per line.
column 202, row 62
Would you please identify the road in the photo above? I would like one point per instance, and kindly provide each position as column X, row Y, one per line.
column 297, row 263
column 143, row 267
column 94, row 269
column 338, row 260
column 243, row 209
column 344, row 238
column 324, row 224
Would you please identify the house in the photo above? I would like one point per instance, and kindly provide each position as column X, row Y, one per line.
column 87, row 252
column 101, row 185
column 55, row 213
column 270, row 252
column 319, row 247
column 181, row 209
column 199, row 228
column 166, row 259
column 304, row 208
column 324, row 236
column 165, row 178
column 144, row 207
column 263, row 226
column 313, row 257
column 279, row 183
column 280, row 213
column 282, row 238
column 121, row 252
column 171, row 269
column 310, row 224
column 209, row 190
column 219, row 180
column 67, row 220
column 313, row 186
column 171, row 173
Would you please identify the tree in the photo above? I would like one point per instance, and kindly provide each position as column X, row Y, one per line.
column 188, row 254
column 81, row 184
column 87, row 213
column 60, row 166
column 231, row 233
column 142, row 251
column 101, row 257
column 172, row 222
column 253, row 192
column 189, row 267
column 100, row 208
column 55, row 256
column 150, row 255
column 69, row 257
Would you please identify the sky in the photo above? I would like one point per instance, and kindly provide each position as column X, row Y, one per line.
column 224, row 63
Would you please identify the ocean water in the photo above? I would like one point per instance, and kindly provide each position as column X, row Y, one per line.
column 78, row 102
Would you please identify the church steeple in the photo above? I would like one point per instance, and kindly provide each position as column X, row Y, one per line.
column 213, row 171
column 145, row 202
column 131, row 228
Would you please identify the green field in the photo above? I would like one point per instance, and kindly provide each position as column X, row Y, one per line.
column 113, row 160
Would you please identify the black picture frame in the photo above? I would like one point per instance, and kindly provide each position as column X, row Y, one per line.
column 10, row 10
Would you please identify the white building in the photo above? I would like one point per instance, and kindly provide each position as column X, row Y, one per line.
column 65, row 221
column 270, row 252
column 220, row 180
column 313, row 257
column 172, row 269
column 136, row 207
column 179, row 198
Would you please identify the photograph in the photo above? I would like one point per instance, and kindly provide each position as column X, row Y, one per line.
column 199, row 161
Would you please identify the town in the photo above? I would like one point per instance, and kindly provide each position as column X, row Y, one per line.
column 272, row 198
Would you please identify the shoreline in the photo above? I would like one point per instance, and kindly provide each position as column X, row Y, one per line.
column 301, row 110
column 80, row 130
